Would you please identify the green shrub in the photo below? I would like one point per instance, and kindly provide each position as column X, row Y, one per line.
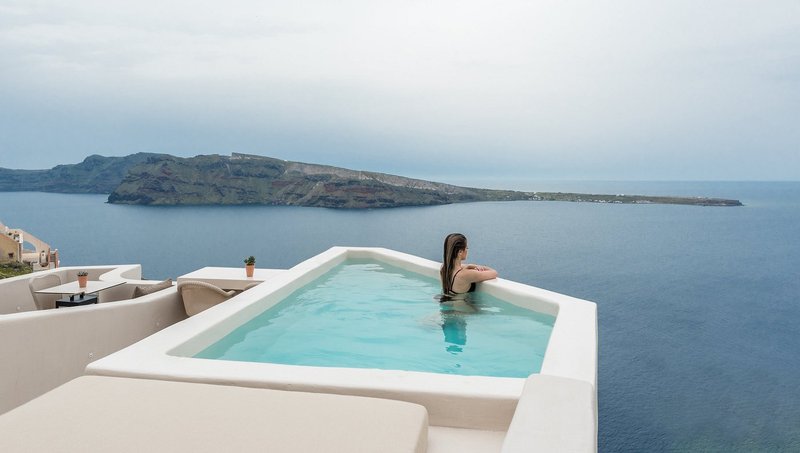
column 13, row 269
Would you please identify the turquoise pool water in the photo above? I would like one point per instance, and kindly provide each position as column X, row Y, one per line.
column 372, row 315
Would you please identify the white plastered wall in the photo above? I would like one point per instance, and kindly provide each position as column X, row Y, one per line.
column 42, row 349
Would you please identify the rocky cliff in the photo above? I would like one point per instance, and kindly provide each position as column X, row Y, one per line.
column 248, row 179
column 96, row 174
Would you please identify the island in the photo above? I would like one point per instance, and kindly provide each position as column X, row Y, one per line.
column 246, row 179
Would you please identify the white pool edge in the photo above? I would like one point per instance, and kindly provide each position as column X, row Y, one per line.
column 461, row 401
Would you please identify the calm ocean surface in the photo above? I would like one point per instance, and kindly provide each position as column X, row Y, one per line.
column 698, row 306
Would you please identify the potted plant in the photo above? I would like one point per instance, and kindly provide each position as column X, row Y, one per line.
column 83, row 276
column 250, row 265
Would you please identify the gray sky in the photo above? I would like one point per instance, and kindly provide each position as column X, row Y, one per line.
column 562, row 89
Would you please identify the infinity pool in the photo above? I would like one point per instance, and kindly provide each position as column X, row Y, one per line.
column 465, row 363
column 369, row 314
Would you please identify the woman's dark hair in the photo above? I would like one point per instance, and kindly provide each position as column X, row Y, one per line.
column 453, row 244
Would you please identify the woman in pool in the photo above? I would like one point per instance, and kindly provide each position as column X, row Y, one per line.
column 459, row 278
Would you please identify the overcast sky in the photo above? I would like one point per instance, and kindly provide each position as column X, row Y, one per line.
column 562, row 89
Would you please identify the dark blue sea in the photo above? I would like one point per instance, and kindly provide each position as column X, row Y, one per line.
column 698, row 306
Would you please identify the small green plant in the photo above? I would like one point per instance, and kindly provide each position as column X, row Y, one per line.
column 82, row 273
column 250, row 260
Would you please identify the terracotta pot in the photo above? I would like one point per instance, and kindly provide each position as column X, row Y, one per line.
column 250, row 268
column 82, row 280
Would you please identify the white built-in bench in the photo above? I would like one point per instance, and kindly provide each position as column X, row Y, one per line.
column 98, row 413
column 554, row 414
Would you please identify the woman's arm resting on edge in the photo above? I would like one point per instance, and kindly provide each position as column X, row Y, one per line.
column 474, row 273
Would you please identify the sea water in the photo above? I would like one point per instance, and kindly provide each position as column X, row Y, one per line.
column 698, row 307
column 368, row 314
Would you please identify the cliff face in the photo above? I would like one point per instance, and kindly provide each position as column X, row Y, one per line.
column 246, row 179
column 96, row 174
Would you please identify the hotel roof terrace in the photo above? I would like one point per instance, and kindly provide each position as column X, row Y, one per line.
column 127, row 366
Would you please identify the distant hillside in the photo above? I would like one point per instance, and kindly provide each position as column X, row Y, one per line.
column 96, row 174
column 247, row 179
column 162, row 179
